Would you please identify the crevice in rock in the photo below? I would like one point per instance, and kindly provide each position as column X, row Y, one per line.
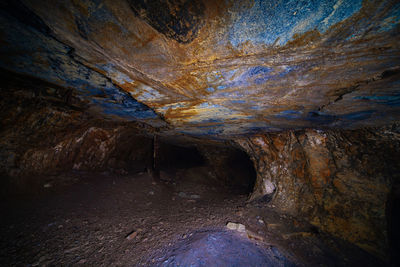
column 339, row 93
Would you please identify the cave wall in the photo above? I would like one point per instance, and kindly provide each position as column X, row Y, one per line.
column 91, row 149
column 339, row 180
column 45, row 130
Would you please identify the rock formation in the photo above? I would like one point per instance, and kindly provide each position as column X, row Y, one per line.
column 308, row 89
column 339, row 180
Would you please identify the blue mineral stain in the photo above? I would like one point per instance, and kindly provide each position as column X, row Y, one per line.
column 114, row 108
column 360, row 115
column 256, row 107
column 255, row 75
column 286, row 70
column 228, row 79
column 212, row 120
column 258, row 70
column 390, row 100
column 214, row 76
column 320, row 117
column 206, row 105
column 37, row 54
column 289, row 114
column 276, row 21
column 323, row 118
column 238, row 82
column 260, row 73
column 118, row 76
column 228, row 74
column 215, row 79
column 238, row 101
column 261, row 80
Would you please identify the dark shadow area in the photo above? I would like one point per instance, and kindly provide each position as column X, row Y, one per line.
column 240, row 172
column 393, row 220
column 178, row 157
column 219, row 165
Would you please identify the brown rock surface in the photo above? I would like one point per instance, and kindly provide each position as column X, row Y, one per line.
column 339, row 180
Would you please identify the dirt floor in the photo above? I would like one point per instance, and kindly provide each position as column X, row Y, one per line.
column 135, row 220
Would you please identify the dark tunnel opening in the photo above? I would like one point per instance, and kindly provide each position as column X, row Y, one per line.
column 178, row 157
column 240, row 172
column 223, row 166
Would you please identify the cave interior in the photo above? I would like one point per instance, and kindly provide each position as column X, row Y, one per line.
column 200, row 133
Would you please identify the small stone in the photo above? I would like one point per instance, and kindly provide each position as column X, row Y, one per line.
column 151, row 193
column 273, row 225
column 182, row 194
column 48, row 185
column 236, row 227
column 132, row 235
column 70, row 250
column 195, row 196
column 252, row 235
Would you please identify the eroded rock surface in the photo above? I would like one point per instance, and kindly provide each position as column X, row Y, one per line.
column 301, row 86
column 46, row 129
column 339, row 180
column 215, row 67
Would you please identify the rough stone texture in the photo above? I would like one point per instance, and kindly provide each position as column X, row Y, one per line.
column 214, row 67
column 339, row 180
column 45, row 129
column 93, row 149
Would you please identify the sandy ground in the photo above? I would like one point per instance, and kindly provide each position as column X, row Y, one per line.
column 134, row 220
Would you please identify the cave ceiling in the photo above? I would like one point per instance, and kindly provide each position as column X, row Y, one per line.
column 214, row 68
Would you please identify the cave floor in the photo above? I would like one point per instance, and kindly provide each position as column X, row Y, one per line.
column 135, row 220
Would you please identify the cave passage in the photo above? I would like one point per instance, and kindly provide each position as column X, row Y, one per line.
column 226, row 166
column 128, row 216
column 125, row 215
column 199, row 133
